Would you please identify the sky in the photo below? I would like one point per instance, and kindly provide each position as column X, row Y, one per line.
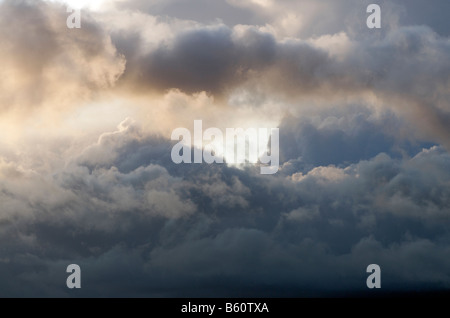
column 86, row 175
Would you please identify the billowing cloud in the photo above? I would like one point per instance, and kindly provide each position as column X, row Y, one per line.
column 45, row 64
column 406, row 71
column 364, row 137
column 221, row 226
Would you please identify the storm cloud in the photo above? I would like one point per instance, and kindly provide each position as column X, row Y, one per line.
column 86, row 175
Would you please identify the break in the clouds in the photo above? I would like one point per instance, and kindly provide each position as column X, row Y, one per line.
column 86, row 175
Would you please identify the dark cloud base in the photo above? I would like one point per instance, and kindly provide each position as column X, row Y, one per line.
column 141, row 226
column 368, row 182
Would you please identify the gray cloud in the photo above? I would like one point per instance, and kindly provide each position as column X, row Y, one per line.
column 406, row 70
column 364, row 176
column 161, row 229
column 346, row 135
column 300, row 18
column 198, row 10
column 206, row 59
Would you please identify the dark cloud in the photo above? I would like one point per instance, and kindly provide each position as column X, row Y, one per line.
column 407, row 70
column 364, row 179
column 159, row 229
column 207, row 59
column 345, row 135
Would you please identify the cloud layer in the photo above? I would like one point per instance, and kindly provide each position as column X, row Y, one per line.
column 364, row 139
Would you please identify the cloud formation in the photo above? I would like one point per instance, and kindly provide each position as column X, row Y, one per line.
column 364, row 139
column 184, row 226
column 44, row 64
